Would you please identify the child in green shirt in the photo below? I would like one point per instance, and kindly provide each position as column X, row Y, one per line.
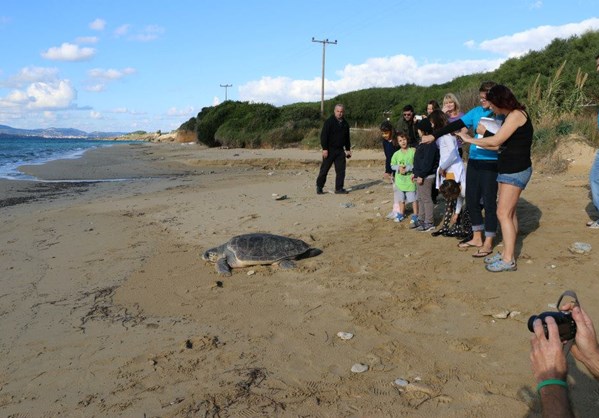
column 404, row 188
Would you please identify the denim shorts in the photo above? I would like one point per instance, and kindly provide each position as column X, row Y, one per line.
column 519, row 179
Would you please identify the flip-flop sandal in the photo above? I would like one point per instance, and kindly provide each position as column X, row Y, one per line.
column 467, row 245
column 481, row 254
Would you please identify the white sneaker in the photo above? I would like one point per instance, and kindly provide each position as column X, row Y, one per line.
column 391, row 215
column 593, row 225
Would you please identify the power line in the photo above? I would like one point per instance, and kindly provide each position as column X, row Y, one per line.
column 324, row 43
column 226, row 86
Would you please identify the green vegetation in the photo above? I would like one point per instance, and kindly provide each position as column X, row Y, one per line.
column 558, row 85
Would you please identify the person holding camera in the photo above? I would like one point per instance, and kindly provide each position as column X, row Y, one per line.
column 336, row 147
column 548, row 360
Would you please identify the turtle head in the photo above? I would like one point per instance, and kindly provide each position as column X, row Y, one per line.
column 211, row 254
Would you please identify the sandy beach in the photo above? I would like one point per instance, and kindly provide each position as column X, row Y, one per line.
column 107, row 309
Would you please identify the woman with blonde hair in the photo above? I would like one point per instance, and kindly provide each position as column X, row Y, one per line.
column 451, row 106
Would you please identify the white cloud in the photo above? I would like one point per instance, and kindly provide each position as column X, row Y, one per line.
column 375, row 72
column 49, row 117
column 149, row 33
column 96, row 88
column 402, row 69
column 125, row 110
column 110, row 74
column 87, row 40
column 69, row 52
column 173, row 111
column 98, row 24
column 122, row 30
column 40, row 95
column 216, row 100
column 533, row 39
column 58, row 95
column 95, row 115
column 29, row 75
column 535, row 5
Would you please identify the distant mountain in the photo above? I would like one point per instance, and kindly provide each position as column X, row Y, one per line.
column 57, row 133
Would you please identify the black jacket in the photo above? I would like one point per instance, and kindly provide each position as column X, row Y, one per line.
column 426, row 160
column 335, row 134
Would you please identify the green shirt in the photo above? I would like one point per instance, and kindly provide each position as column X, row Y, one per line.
column 404, row 158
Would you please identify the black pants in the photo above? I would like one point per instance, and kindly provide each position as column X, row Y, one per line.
column 337, row 157
column 481, row 182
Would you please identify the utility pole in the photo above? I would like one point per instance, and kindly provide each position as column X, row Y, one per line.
column 324, row 43
column 226, row 86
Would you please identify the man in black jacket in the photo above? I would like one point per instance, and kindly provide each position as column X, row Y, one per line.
column 336, row 147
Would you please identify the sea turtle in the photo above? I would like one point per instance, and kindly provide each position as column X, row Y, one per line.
column 258, row 248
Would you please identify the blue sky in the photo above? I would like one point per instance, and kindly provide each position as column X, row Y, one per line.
column 108, row 65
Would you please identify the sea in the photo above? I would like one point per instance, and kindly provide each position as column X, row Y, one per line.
column 18, row 151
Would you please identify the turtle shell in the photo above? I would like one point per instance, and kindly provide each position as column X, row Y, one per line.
column 265, row 248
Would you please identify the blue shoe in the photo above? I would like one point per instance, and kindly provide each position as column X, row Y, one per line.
column 399, row 217
column 500, row 266
column 414, row 219
column 493, row 258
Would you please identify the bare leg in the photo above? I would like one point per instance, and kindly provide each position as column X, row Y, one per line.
column 506, row 214
column 402, row 208
column 476, row 241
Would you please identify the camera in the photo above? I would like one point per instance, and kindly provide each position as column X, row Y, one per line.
column 565, row 324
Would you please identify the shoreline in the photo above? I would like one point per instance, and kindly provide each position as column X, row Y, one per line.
column 108, row 310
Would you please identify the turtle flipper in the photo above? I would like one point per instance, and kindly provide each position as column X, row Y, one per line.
column 286, row 264
column 222, row 266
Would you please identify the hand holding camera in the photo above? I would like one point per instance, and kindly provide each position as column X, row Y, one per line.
column 563, row 319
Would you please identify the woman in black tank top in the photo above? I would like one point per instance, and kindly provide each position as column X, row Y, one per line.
column 513, row 142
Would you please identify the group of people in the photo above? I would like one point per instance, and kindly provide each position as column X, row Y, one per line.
column 424, row 157
column 425, row 154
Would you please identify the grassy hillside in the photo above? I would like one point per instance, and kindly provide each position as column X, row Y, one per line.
column 559, row 85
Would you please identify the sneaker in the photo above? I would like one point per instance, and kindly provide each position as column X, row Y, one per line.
column 341, row 191
column 399, row 217
column 490, row 259
column 319, row 190
column 593, row 225
column 414, row 219
column 419, row 228
column 500, row 266
column 391, row 215
column 415, row 225
column 427, row 227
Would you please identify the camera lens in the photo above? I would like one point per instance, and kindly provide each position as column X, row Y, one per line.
column 565, row 324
